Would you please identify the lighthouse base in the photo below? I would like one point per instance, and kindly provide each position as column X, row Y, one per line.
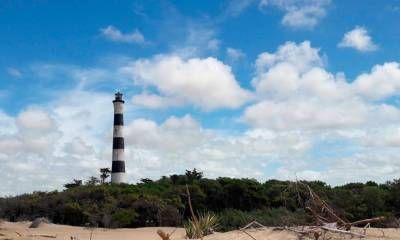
column 118, row 178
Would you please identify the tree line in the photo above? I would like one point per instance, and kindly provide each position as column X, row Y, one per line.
column 163, row 202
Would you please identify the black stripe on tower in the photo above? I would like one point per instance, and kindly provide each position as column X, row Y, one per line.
column 118, row 166
column 118, row 119
column 118, row 143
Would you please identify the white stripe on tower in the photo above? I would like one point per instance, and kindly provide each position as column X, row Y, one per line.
column 118, row 161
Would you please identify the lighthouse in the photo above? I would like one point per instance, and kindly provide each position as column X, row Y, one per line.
column 118, row 160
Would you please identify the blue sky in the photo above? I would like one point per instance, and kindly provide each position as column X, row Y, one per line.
column 251, row 88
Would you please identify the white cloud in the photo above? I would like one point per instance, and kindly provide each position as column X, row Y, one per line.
column 301, row 56
column 181, row 143
column 35, row 119
column 114, row 34
column 383, row 81
column 78, row 142
column 300, row 109
column 234, row 54
column 296, row 92
column 305, row 114
column 56, row 143
column 207, row 83
column 359, row 39
column 296, row 69
column 299, row 13
column 154, row 101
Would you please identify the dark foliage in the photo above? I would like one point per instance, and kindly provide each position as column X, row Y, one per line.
column 163, row 202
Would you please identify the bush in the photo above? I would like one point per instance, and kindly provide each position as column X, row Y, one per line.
column 231, row 219
column 124, row 218
column 236, row 202
column 170, row 216
column 74, row 214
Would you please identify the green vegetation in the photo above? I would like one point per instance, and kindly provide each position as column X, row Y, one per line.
column 203, row 225
column 163, row 202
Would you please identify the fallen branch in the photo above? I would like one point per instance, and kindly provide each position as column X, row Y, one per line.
column 253, row 223
column 365, row 221
column 335, row 230
column 43, row 235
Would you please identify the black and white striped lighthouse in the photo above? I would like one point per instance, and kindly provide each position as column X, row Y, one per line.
column 118, row 161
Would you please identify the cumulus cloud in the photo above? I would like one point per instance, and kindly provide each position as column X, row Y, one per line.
column 300, row 113
column 383, row 81
column 180, row 143
column 204, row 82
column 296, row 92
column 154, row 101
column 78, row 142
column 305, row 114
column 53, row 144
column 299, row 13
column 359, row 39
column 114, row 34
column 35, row 119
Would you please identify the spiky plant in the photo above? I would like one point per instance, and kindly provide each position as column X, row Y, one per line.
column 203, row 225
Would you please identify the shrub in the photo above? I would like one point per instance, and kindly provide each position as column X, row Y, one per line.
column 74, row 214
column 231, row 219
column 124, row 218
column 169, row 216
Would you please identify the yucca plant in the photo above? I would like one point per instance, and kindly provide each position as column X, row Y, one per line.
column 200, row 225
column 204, row 224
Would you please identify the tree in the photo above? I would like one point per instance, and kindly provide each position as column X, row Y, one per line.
column 146, row 180
column 75, row 183
column 92, row 181
column 193, row 175
column 104, row 174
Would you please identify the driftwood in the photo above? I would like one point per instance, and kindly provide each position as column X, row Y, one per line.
column 326, row 218
column 316, row 232
column 251, row 225
column 319, row 205
column 311, row 232
column 367, row 221
column 323, row 213
column 43, row 235
column 335, row 230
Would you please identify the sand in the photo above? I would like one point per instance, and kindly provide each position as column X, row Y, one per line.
column 12, row 231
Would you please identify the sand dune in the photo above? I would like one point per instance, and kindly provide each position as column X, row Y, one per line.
column 21, row 231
